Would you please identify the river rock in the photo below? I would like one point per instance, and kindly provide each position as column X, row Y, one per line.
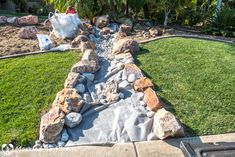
column 69, row 100
column 28, row 32
column 51, row 125
column 152, row 100
column 131, row 78
column 72, row 80
column 142, row 84
column 28, row 20
column 73, row 119
column 80, row 88
column 89, row 76
column 125, row 46
column 166, row 125
column 64, row 136
column 85, row 66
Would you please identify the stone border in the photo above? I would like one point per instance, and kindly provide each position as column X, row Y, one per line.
column 186, row 36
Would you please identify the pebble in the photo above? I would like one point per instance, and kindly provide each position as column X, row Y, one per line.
column 142, row 103
column 80, row 88
column 61, row 144
column 124, row 84
column 131, row 78
column 73, row 119
column 89, row 76
column 151, row 137
column 64, row 136
column 150, row 114
column 121, row 96
column 140, row 96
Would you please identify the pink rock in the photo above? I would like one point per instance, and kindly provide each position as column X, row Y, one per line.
column 28, row 20
column 28, row 32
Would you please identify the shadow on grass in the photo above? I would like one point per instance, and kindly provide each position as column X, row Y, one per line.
column 167, row 105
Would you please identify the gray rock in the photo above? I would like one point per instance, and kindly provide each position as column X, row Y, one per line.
column 80, row 88
column 89, row 76
column 121, row 96
column 131, row 78
column 142, row 103
column 150, row 114
column 124, row 84
column 151, row 137
column 140, row 96
column 61, row 144
column 73, row 119
column 64, row 136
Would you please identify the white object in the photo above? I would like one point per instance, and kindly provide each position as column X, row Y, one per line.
column 44, row 42
column 64, row 25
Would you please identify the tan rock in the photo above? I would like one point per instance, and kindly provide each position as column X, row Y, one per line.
column 166, row 125
column 142, row 84
column 28, row 32
column 132, row 69
column 28, row 20
column 125, row 29
column 105, row 31
column 87, row 45
column 51, row 125
column 86, row 66
column 125, row 46
column 89, row 55
column 120, row 35
column 71, row 80
column 77, row 41
column 152, row 100
column 69, row 100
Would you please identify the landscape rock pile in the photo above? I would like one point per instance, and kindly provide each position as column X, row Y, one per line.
column 106, row 81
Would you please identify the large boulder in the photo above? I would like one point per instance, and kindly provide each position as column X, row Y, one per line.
column 28, row 20
column 28, row 32
column 152, row 100
column 90, row 55
column 142, row 84
column 125, row 46
column 86, row 66
column 51, row 125
column 71, row 80
column 69, row 100
column 3, row 19
column 155, row 31
column 101, row 21
column 125, row 29
column 166, row 125
column 77, row 41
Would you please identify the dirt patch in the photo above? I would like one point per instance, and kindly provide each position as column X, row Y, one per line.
column 11, row 44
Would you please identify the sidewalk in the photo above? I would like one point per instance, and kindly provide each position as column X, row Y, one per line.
column 167, row 148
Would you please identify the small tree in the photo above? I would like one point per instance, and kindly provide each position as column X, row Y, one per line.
column 170, row 5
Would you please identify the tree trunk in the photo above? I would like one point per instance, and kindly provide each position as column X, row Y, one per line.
column 127, row 8
column 167, row 12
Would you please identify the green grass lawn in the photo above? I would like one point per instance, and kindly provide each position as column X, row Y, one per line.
column 28, row 86
column 196, row 79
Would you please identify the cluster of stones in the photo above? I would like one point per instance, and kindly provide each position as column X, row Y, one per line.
column 27, row 32
column 65, row 111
